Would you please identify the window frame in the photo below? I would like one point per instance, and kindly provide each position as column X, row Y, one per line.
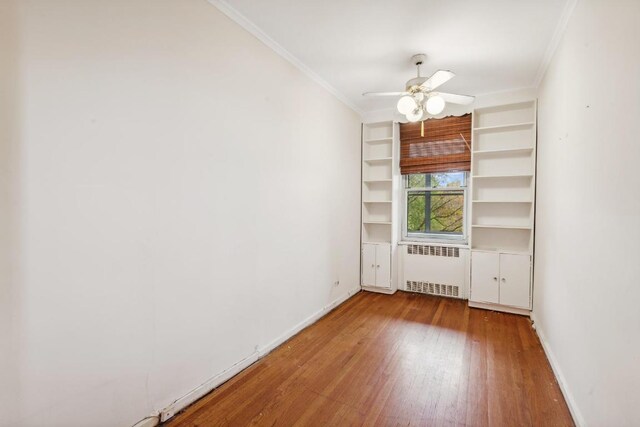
column 435, row 237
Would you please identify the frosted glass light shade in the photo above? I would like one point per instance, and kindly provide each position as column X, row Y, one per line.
column 406, row 104
column 435, row 105
column 415, row 115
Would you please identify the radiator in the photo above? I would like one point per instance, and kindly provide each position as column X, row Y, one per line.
column 435, row 270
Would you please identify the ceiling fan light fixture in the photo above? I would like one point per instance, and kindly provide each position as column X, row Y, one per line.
column 435, row 105
column 415, row 115
column 406, row 104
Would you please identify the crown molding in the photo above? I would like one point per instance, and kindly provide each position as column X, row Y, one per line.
column 254, row 30
column 561, row 28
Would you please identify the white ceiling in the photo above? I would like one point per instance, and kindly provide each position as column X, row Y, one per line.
column 365, row 45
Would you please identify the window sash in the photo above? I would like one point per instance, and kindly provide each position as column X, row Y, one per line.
column 434, row 235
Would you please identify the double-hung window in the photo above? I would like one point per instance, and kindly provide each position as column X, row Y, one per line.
column 435, row 160
column 435, row 205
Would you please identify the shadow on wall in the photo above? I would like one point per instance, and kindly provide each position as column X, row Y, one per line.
column 10, row 202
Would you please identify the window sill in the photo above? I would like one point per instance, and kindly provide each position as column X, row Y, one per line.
column 447, row 243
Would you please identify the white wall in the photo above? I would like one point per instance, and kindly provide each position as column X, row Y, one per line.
column 587, row 256
column 186, row 197
column 9, row 212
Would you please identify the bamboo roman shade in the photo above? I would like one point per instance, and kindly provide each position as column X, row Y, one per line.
column 445, row 146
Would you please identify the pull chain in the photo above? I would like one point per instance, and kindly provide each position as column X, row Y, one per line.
column 422, row 129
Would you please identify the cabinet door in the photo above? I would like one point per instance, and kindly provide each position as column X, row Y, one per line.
column 484, row 277
column 515, row 277
column 383, row 266
column 368, row 265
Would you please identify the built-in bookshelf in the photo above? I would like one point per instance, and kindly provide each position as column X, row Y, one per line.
column 503, row 178
column 377, row 182
column 503, row 169
column 380, row 186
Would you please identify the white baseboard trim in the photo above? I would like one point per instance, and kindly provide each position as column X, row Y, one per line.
column 388, row 291
column 568, row 397
column 227, row 374
column 148, row 422
column 498, row 307
column 264, row 350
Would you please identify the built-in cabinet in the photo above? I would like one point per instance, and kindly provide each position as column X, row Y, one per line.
column 376, row 265
column 503, row 167
column 501, row 278
column 380, row 186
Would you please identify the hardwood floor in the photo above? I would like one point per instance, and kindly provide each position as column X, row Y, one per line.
column 403, row 359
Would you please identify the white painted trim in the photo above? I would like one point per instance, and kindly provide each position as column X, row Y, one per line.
column 148, row 422
column 568, row 396
column 209, row 385
column 388, row 291
column 501, row 91
column 561, row 28
column 500, row 308
column 254, row 30
column 260, row 352
column 306, row 323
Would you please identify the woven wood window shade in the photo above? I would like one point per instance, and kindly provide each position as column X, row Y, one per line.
column 445, row 146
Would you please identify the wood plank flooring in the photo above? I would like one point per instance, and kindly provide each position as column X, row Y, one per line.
column 401, row 360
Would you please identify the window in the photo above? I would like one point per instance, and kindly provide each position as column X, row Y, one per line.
column 435, row 205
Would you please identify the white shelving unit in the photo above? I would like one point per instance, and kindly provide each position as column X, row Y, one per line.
column 380, row 181
column 503, row 168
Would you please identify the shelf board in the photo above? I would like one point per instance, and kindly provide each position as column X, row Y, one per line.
column 377, row 201
column 512, row 227
column 377, row 180
column 378, row 140
column 502, row 201
column 503, row 151
column 379, row 160
column 501, row 176
column 504, row 127
column 377, row 222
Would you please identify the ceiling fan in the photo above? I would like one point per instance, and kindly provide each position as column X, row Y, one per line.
column 420, row 98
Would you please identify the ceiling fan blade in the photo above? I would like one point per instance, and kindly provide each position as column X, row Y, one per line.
column 436, row 79
column 456, row 99
column 385, row 93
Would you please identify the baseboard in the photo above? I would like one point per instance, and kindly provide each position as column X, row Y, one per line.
column 227, row 374
column 206, row 387
column 263, row 351
column 568, row 397
column 497, row 307
column 148, row 422
column 388, row 291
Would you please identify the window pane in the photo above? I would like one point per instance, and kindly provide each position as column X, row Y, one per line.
column 448, row 179
column 417, row 180
column 447, row 212
column 416, row 222
column 435, row 212
column 437, row 180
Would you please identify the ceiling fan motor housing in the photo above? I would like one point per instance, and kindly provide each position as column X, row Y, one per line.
column 413, row 84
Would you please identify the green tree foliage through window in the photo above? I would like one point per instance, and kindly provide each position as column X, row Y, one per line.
column 435, row 203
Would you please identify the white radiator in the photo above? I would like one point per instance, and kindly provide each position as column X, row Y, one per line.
column 435, row 270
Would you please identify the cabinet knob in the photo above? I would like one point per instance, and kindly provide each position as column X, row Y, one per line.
column 495, row 278
column 378, row 265
column 504, row 280
column 373, row 265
